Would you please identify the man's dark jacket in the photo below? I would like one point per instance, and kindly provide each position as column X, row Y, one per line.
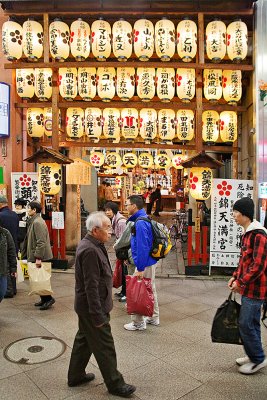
column 93, row 276
column 10, row 221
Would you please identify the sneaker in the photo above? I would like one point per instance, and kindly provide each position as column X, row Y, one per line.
column 250, row 368
column 242, row 360
column 135, row 327
column 152, row 321
column 122, row 299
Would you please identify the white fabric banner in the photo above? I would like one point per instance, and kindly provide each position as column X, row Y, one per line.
column 24, row 184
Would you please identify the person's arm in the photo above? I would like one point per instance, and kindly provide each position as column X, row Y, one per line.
column 143, row 244
column 41, row 238
column 121, row 226
column 11, row 254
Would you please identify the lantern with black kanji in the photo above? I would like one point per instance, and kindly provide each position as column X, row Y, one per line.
column 25, row 83
column 145, row 78
column 200, row 182
column 122, row 39
column 210, row 126
column 87, row 83
column 96, row 159
column 143, row 36
column 166, row 125
column 185, row 84
column 145, row 160
column 129, row 123
column 75, row 122
column 165, row 82
column 125, row 83
column 101, row 39
column 43, row 83
column 48, row 121
column 93, row 123
column 237, row 41
column 59, row 37
column 68, row 83
column 185, row 125
column 216, row 40
column 228, row 126
column 129, row 160
column 12, row 40
column 148, row 124
column 162, row 161
column 232, row 86
column 111, row 124
column 35, row 122
column 165, row 39
column 49, row 178
column 32, row 40
column 106, row 77
column 212, row 84
column 113, row 159
column 80, row 39
column 187, row 40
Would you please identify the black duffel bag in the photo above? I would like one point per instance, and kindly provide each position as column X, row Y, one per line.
column 225, row 323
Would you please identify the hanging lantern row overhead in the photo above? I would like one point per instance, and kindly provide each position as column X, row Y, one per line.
column 214, row 124
column 219, row 82
column 39, row 122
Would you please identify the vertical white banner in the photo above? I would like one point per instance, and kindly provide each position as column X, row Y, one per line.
column 24, row 184
column 225, row 234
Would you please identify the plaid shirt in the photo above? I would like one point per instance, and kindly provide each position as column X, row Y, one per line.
column 251, row 273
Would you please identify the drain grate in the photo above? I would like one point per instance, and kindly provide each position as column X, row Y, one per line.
column 34, row 350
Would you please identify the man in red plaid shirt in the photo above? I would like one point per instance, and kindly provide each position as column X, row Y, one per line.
column 250, row 280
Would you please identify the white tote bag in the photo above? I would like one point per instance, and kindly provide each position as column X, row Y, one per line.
column 40, row 279
column 20, row 276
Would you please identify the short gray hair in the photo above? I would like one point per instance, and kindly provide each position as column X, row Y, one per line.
column 96, row 219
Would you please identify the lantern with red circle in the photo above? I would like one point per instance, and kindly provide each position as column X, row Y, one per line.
column 32, row 40
column 237, row 41
column 59, row 36
column 49, row 178
column 96, row 159
column 232, row 86
column 210, row 126
column 177, row 160
column 228, row 126
column 129, row 123
column 122, row 39
column 212, row 84
column 185, row 125
column 200, row 182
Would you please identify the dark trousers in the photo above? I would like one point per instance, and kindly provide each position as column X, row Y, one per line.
column 46, row 298
column 99, row 342
column 158, row 206
column 149, row 208
column 123, row 280
column 11, row 285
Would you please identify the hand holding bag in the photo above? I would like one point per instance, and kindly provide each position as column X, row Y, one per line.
column 140, row 298
column 40, row 279
column 117, row 274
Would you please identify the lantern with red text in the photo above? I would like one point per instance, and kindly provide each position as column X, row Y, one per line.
column 200, row 182
column 96, row 159
column 165, row 39
column 185, row 84
column 145, row 78
column 93, row 123
column 166, row 125
column 48, row 121
column 80, row 39
column 129, row 160
column 106, row 77
column 101, row 39
column 87, row 83
column 129, row 123
column 176, row 161
column 75, row 122
column 145, row 160
column 237, row 41
column 216, row 40
column 148, row 124
column 125, row 83
column 165, row 80
column 68, row 83
column 228, row 126
column 187, row 40
column 232, row 86
column 212, row 84
column 162, row 161
column 43, row 83
column 143, row 36
column 59, row 36
column 49, row 178
column 111, row 124
column 122, row 39
column 113, row 159
column 35, row 122
column 185, row 125
column 32, row 40
column 12, row 40
column 210, row 126
column 25, row 83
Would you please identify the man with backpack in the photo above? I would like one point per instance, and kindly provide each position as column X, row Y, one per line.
column 141, row 245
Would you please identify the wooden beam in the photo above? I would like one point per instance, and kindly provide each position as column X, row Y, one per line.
column 55, row 90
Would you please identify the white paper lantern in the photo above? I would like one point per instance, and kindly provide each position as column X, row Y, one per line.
column 145, row 160
column 187, row 40
column 12, row 40
column 177, row 160
column 68, row 83
column 232, row 86
column 101, row 39
column 87, row 83
column 111, row 124
column 129, row 160
column 237, row 41
column 25, row 83
column 113, row 159
column 212, row 84
column 106, row 77
column 75, row 122
column 43, row 83
column 59, row 36
column 125, row 83
column 200, row 182
column 80, row 39
column 216, row 40
column 228, row 126
column 122, row 40
column 32, row 40
column 96, row 159
column 185, row 125
column 210, row 126
column 148, row 124
column 145, row 78
column 48, row 127
column 165, row 39
column 165, row 80
column 162, row 161
column 143, row 35
column 186, row 84
column 93, row 123
column 129, row 123
column 35, row 122
column 49, row 178
column 166, row 125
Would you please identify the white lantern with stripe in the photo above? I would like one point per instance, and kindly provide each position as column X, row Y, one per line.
column 106, row 77
column 212, row 84
column 93, row 123
column 200, row 183
column 122, row 40
column 162, row 161
column 68, row 83
column 32, row 40
column 185, row 84
column 187, row 40
column 129, row 160
column 87, row 83
column 43, row 83
column 25, row 83
column 35, row 122
column 165, row 39
column 113, row 159
column 12, row 40
column 125, row 83
column 80, row 39
column 48, row 121
column 165, row 80
column 228, row 126
column 210, row 126
column 59, row 37
column 49, row 178
column 237, row 41
column 75, row 122
column 145, row 78
column 129, row 123
column 185, row 125
column 216, row 40
column 232, row 86
column 111, row 124
column 143, row 36
column 96, row 159
column 148, row 124
column 166, row 125
column 101, row 39
column 145, row 160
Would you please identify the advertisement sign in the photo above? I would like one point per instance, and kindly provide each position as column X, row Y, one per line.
column 24, row 184
column 4, row 109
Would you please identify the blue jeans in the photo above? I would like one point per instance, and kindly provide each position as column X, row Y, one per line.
column 250, row 328
column 3, row 286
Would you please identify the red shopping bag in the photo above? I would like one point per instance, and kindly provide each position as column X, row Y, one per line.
column 140, row 298
column 117, row 274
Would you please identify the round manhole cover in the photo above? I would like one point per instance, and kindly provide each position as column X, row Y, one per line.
column 34, row 350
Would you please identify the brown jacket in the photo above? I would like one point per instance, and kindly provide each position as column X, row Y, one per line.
column 93, row 276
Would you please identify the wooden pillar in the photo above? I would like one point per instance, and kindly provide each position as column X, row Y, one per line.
column 55, row 131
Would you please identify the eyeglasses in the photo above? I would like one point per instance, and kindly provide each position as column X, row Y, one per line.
column 128, row 204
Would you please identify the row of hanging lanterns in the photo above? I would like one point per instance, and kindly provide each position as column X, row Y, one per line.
column 39, row 122
column 122, row 39
column 226, row 83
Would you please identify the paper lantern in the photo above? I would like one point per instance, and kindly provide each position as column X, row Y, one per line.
column 185, row 125
column 106, row 77
column 43, row 83
column 212, row 84
column 145, row 160
column 232, row 86
column 25, row 83
column 210, row 126
column 129, row 123
column 96, row 159
column 111, row 127
column 166, row 125
column 129, row 160
column 59, row 36
column 145, row 78
column 75, row 122
column 35, row 122
column 113, row 159
column 216, row 40
column 48, row 121
column 87, row 83
column 93, row 123
column 122, row 40
column 125, row 83
column 68, row 83
column 200, row 182
column 49, row 178
column 185, row 84
column 187, row 40
column 12, row 40
column 118, row 182
column 143, row 35
column 32, row 40
column 162, row 161
column 148, row 124
column 176, row 161
column 101, row 39
column 165, row 79
column 228, row 126
column 165, row 39
column 237, row 41
column 80, row 39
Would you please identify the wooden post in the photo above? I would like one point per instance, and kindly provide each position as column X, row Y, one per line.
column 46, row 37
column 55, row 91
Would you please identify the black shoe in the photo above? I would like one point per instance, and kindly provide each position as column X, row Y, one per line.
column 8, row 296
column 87, row 378
column 39, row 304
column 123, row 391
column 48, row 304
